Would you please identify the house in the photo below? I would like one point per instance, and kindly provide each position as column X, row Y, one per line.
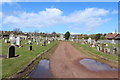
column 112, row 36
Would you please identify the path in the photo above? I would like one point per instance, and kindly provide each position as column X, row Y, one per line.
column 64, row 63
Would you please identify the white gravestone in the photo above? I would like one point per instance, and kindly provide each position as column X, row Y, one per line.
column 5, row 41
column 18, row 41
column 29, row 42
column 12, row 40
column 48, row 42
column 89, row 40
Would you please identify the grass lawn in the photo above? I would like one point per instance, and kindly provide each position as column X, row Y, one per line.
column 95, row 52
column 109, row 44
column 12, row 65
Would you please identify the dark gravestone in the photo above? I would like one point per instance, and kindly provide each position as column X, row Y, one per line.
column 30, row 48
column 115, row 50
column 11, row 51
column 106, row 51
column 103, row 46
column 44, row 43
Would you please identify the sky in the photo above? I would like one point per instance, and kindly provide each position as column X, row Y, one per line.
column 75, row 17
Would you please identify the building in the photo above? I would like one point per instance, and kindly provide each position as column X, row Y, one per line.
column 112, row 36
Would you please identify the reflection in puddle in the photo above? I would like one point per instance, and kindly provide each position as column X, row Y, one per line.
column 93, row 65
column 42, row 70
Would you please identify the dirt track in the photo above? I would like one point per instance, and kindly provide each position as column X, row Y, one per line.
column 64, row 63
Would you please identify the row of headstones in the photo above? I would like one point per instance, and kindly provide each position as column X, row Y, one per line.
column 11, row 49
column 13, row 40
column 111, row 50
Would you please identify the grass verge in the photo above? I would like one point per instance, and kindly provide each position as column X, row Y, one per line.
column 90, row 51
column 12, row 65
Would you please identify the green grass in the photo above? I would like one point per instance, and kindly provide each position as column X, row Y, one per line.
column 12, row 65
column 95, row 52
column 109, row 44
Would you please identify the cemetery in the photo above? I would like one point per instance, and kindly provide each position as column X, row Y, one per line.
column 17, row 53
column 60, row 39
column 109, row 51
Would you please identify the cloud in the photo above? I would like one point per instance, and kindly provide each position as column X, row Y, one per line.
column 89, row 17
column 114, row 12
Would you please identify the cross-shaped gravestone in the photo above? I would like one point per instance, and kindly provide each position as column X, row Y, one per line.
column 11, row 51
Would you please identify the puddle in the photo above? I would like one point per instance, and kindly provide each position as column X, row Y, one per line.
column 93, row 65
column 42, row 70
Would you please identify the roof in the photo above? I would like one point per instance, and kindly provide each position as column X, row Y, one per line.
column 111, row 35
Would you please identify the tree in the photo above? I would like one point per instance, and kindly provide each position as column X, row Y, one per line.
column 67, row 35
column 17, row 31
column 54, row 34
column 97, row 37
column 36, row 33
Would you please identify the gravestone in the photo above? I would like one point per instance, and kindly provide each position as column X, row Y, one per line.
column 93, row 45
column 89, row 40
column 29, row 42
column 108, row 50
column 111, row 49
column 48, row 42
column 18, row 41
column 11, row 52
column 106, row 44
column 12, row 41
column 34, row 40
column 5, row 41
column 30, row 48
column 44, row 43
column 118, row 51
column 103, row 46
column 98, row 48
column 37, row 43
column 115, row 50
column 105, row 50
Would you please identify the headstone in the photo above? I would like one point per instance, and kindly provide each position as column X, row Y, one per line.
column 105, row 50
column 93, row 45
column 34, row 40
column 115, row 50
column 30, row 48
column 29, row 42
column 111, row 49
column 5, row 41
column 118, row 51
column 37, row 43
column 98, row 48
column 18, row 41
column 106, row 44
column 89, row 40
column 103, row 46
column 48, row 42
column 11, row 51
column 108, row 50
column 12, row 41
column 113, row 41
column 44, row 43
